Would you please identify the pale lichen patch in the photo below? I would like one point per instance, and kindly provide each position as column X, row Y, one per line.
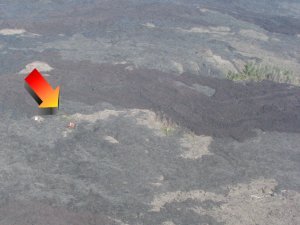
column 92, row 118
column 168, row 223
column 194, row 147
column 40, row 66
column 219, row 61
column 149, row 25
column 178, row 67
column 120, row 63
column 161, row 127
column 254, row 203
column 111, row 139
column 254, row 34
column 207, row 30
column 10, row 32
column 17, row 32
column 180, row 196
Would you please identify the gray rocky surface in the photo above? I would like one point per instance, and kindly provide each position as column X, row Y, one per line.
column 160, row 136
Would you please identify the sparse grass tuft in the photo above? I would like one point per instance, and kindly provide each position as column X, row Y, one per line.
column 258, row 72
column 167, row 130
column 168, row 126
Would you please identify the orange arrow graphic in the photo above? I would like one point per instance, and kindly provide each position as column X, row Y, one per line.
column 47, row 97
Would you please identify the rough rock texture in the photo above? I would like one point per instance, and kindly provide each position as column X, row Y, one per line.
column 148, row 130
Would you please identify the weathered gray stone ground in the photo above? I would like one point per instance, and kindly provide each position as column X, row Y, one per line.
column 161, row 136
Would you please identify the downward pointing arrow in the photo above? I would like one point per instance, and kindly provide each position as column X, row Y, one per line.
column 47, row 97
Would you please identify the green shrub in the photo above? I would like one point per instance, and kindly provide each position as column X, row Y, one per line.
column 258, row 72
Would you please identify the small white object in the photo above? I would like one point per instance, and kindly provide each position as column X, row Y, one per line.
column 38, row 119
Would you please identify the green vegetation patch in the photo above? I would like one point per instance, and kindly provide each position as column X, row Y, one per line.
column 258, row 72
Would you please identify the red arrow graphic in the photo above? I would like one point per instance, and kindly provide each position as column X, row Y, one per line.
column 43, row 90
